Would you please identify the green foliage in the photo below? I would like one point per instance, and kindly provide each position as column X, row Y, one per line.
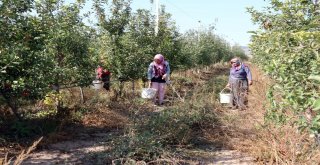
column 21, row 63
column 80, row 113
column 203, row 48
column 67, row 43
column 167, row 41
column 128, row 52
column 28, row 128
column 316, row 105
column 237, row 51
column 113, row 27
column 21, row 129
column 287, row 47
column 46, row 46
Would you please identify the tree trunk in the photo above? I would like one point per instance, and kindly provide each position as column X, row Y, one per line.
column 81, row 95
column 121, row 88
column 133, row 86
column 12, row 104
column 59, row 102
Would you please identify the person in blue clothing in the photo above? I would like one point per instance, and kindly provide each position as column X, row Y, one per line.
column 158, row 74
column 239, row 80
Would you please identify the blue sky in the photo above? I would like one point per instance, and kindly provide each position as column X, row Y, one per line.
column 231, row 20
column 230, row 17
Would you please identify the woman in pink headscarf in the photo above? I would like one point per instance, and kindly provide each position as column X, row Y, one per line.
column 158, row 74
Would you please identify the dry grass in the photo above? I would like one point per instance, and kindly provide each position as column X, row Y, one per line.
column 240, row 130
column 22, row 156
column 244, row 131
column 267, row 143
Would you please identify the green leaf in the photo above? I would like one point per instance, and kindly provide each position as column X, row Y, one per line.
column 252, row 32
column 316, row 105
column 314, row 77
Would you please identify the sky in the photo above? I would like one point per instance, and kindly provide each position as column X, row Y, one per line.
column 230, row 18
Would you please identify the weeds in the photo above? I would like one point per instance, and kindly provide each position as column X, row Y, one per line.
column 163, row 135
column 152, row 137
column 268, row 142
column 22, row 156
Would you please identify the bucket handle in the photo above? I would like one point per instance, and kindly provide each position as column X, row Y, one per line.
column 222, row 91
column 97, row 82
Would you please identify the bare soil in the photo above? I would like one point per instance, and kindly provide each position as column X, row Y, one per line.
column 90, row 142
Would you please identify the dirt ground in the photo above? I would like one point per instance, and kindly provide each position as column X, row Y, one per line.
column 78, row 151
column 75, row 151
column 89, row 146
column 80, row 148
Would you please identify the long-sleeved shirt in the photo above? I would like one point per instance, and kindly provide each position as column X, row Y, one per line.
column 151, row 72
column 240, row 73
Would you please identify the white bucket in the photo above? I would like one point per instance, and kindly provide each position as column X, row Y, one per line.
column 148, row 93
column 225, row 97
column 97, row 84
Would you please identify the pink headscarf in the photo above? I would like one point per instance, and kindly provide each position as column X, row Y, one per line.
column 159, row 57
column 160, row 68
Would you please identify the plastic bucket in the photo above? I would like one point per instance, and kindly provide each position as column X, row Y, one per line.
column 225, row 98
column 97, row 84
column 148, row 93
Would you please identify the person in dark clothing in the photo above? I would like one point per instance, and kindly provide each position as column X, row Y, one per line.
column 104, row 76
column 239, row 80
